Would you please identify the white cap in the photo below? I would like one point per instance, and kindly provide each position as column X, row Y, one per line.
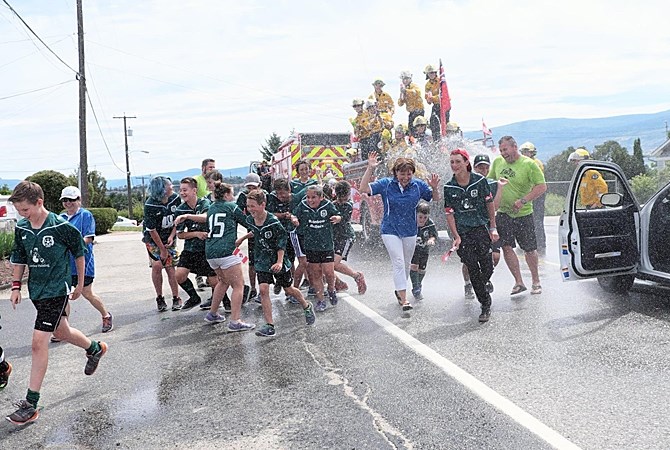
column 71, row 192
column 252, row 180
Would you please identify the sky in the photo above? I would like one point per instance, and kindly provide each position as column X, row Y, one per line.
column 216, row 78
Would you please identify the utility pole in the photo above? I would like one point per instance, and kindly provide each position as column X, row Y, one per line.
column 83, row 159
column 125, row 135
column 143, row 177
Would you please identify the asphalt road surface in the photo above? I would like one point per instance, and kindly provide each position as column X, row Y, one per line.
column 570, row 368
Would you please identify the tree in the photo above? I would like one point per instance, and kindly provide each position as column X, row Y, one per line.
column 637, row 166
column 4, row 189
column 271, row 146
column 614, row 152
column 558, row 168
column 52, row 184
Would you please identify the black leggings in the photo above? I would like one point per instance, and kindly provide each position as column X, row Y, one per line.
column 475, row 253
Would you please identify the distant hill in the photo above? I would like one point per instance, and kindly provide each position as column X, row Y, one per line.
column 552, row 136
column 234, row 172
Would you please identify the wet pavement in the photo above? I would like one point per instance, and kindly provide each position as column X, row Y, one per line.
column 572, row 365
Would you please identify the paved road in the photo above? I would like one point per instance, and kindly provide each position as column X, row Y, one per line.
column 572, row 367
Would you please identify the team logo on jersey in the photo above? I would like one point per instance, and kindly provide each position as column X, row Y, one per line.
column 323, row 213
column 474, row 193
column 173, row 208
column 48, row 241
column 268, row 234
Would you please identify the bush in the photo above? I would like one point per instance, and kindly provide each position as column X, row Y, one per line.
column 644, row 186
column 6, row 244
column 553, row 204
column 104, row 219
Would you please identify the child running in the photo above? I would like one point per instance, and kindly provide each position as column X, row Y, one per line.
column 315, row 216
column 426, row 237
column 343, row 235
column 43, row 242
column 272, row 267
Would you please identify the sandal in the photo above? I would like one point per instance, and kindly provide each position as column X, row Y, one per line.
column 407, row 306
column 397, row 296
column 536, row 289
column 518, row 290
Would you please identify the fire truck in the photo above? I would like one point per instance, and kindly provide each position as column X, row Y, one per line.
column 325, row 151
column 368, row 210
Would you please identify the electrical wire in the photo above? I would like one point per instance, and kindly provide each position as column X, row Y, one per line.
column 35, row 90
column 95, row 116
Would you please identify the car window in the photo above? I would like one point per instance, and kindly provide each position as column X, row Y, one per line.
column 595, row 183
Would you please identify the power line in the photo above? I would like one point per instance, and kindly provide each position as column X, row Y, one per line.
column 35, row 90
column 95, row 116
column 39, row 38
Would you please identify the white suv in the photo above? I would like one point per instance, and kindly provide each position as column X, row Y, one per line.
column 8, row 214
column 619, row 240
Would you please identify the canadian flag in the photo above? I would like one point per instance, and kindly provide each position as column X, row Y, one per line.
column 485, row 129
column 237, row 252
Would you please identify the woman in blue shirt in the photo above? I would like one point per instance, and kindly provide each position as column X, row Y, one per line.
column 401, row 194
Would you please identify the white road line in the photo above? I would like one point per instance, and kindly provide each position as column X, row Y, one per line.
column 507, row 407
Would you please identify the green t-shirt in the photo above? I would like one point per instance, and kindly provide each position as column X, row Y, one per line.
column 223, row 218
column 202, row 185
column 46, row 251
column 343, row 230
column 274, row 205
column 315, row 225
column 268, row 238
column 297, row 185
column 467, row 202
column 201, row 206
column 159, row 216
column 523, row 175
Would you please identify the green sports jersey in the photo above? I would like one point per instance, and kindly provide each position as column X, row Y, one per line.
column 274, row 205
column 159, row 216
column 423, row 234
column 297, row 185
column 223, row 218
column 201, row 206
column 268, row 238
column 465, row 202
column 46, row 251
column 315, row 225
column 523, row 175
column 343, row 230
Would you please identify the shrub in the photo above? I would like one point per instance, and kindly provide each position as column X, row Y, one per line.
column 104, row 219
column 6, row 243
column 553, row 204
column 644, row 186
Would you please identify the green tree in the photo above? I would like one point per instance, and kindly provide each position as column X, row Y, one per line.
column 558, row 168
column 4, row 189
column 52, row 184
column 637, row 166
column 614, row 152
column 271, row 146
column 644, row 186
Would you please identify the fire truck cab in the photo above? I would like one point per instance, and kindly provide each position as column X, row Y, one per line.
column 325, row 151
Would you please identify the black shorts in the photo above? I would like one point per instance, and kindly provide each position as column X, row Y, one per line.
column 250, row 249
column 495, row 246
column 289, row 252
column 316, row 257
column 196, row 263
column 87, row 280
column 283, row 279
column 519, row 229
column 49, row 312
column 342, row 247
column 420, row 259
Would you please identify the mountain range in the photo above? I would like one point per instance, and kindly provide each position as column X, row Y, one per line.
column 550, row 136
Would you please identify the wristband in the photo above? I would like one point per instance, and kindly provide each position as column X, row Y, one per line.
column 16, row 284
column 493, row 229
column 16, row 289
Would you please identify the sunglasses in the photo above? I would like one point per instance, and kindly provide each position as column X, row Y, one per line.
column 69, row 200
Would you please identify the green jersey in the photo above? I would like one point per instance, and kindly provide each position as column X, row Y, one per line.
column 268, row 239
column 201, row 206
column 343, row 230
column 202, row 186
column 467, row 202
column 223, row 218
column 46, row 251
column 274, row 205
column 523, row 175
column 423, row 234
column 297, row 185
column 159, row 216
column 315, row 225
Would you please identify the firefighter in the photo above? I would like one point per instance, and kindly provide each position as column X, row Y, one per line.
column 372, row 127
column 453, row 129
column 592, row 185
column 410, row 97
column 433, row 98
column 421, row 137
column 384, row 101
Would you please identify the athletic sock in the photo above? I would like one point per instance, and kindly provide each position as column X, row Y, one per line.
column 421, row 275
column 414, row 276
column 33, row 397
column 188, row 287
column 94, row 348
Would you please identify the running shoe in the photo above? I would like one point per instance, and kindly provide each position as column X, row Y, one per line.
column 360, row 283
column 292, row 300
column 107, row 324
column 276, row 289
column 160, row 302
column 240, row 326
column 4, row 376
column 311, row 292
column 202, row 283
column 417, row 294
column 25, row 414
column 469, row 292
column 176, row 303
column 206, row 304
column 310, row 317
column 94, row 359
column 485, row 316
column 191, row 303
column 305, row 284
column 321, row 305
column 332, row 296
column 214, row 318
column 340, row 285
column 266, row 330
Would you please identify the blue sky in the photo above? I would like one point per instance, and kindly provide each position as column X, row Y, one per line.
column 216, row 78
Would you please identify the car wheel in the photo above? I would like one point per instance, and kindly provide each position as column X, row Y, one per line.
column 619, row 284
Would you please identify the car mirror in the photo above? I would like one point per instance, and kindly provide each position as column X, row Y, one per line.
column 611, row 199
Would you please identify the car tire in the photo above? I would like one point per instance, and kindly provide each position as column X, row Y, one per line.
column 619, row 284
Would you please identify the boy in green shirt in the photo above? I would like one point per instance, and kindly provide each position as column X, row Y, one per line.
column 270, row 263
column 43, row 241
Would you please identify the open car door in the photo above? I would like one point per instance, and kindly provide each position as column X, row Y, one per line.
column 598, row 229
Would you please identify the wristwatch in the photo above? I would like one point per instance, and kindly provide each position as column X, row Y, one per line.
column 523, row 201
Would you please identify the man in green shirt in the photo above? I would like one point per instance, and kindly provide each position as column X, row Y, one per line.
column 525, row 183
column 43, row 241
column 207, row 165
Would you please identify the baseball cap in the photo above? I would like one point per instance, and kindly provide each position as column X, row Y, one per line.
column 252, row 179
column 482, row 159
column 71, row 192
column 464, row 154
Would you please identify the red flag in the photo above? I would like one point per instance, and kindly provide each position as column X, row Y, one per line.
column 445, row 101
column 486, row 130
